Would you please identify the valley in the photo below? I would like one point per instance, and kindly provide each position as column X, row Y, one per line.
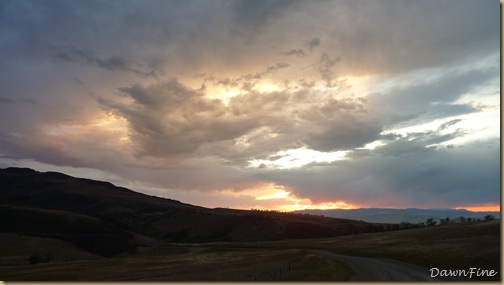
column 57, row 227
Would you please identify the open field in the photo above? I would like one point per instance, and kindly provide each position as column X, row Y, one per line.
column 17, row 249
column 212, row 265
column 457, row 246
column 56, row 227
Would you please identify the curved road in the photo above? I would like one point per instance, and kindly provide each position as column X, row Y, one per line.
column 378, row 269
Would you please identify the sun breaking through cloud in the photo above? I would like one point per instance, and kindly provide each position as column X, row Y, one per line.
column 268, row 104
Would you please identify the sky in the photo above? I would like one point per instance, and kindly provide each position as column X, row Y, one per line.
column 269, row 104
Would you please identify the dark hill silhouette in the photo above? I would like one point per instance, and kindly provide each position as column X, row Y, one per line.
column 108, row 220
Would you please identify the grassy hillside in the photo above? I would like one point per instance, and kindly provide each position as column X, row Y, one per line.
column 212, row 265
column 88, row 233
column 17, row 249
column 107, row 220
column 454, row 246
column 57, row 227
column 458, row 246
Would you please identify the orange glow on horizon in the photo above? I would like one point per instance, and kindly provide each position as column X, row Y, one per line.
column 289, row 202
column 271, row 196
column 482, row 208
column 320, row 206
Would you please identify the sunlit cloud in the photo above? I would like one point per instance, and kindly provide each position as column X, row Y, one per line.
column 267, row 87
column 102, row 122
column 291, row 106
column 293, row 158
column 373, row 145
column 223, row 94
column 280, row 194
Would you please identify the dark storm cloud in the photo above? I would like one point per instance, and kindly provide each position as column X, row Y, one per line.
column 326, row 67
column 313, row 43
column 248, row 81
column 34, row 102
column 414, row 143
column 126, row 35
column 442, row 110
column 399, row 36
column 36, row 146
column 5, row 100
column 75, row 55
column 167, row 34
column 340, row 125
column 276, row 67
column 339, row 137
column 106, row 52
column 257, row 14
column 408, row 174
column 33, row 26
column 431, row 177
column 449, row 124
column 295, row 52
column 432, row 98
column 444, row 89
column 406, row 171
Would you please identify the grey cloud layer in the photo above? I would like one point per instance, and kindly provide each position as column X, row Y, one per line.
column 403, row 173
column 431, row 99
column 66, row 62
column 185, row 34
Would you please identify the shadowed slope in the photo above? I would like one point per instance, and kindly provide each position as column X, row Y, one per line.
column 108, row 220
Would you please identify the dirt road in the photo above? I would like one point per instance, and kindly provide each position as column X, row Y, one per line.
column 378, row 269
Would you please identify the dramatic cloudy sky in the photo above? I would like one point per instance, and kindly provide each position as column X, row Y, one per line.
column 259, row 104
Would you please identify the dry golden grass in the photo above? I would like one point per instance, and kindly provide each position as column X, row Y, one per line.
column 16, row 249
column 234, row 265
column 455, row 246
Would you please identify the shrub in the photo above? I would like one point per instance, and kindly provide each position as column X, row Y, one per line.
column 489, row 218
column 35, row 258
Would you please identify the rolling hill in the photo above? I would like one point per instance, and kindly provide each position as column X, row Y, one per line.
column 107, row 220
column 83, row 229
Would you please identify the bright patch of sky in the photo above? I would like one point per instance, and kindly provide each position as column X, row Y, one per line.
column 293, row 158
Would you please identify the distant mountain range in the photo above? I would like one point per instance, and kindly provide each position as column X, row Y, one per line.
column 410, row 215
